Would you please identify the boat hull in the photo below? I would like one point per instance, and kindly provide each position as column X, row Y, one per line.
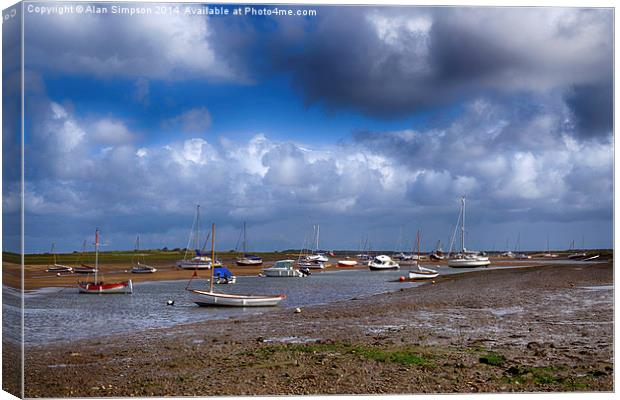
column 246, row 262
column 468, row 263
column 59, row 268
column 382, row 268
column 143, row 270
column 106, row 288
column 193, row 265
column 282, row 273
column 417, row 275
column 211, row 299
column 347, row 263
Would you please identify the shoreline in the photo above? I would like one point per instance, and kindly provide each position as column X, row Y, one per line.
column 35, row 276
column 362, row 345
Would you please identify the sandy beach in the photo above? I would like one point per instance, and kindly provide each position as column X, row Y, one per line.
column 547, row 328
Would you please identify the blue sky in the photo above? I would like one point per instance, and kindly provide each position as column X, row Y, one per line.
column 364, row 120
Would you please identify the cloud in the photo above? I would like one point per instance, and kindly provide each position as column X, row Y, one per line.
column 196, row 120
column 393, row 62
column 109, row 131
column 374, row 182
column 170, row 47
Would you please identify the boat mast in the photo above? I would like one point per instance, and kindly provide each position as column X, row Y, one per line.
column 96, row 253
column 54, row 251
column 212, row 257
column 245, row 250
column 463, row 225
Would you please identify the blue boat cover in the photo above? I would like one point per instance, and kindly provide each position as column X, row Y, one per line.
column 222, row 272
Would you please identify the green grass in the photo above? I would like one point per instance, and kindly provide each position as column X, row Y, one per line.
column 538, row 375
column 113, row 257
column 404, row 356
column 492, row 358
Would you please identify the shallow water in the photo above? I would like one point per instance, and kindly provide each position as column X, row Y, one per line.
column 57, row 314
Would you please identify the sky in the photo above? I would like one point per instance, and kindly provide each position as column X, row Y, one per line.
column 369, row 121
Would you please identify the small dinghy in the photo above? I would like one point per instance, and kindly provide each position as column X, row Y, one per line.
column 422, row 273
column 347, row 263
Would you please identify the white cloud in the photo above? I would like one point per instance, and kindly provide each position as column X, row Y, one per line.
column 110, row 131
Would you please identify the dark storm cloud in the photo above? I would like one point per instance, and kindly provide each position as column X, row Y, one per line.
column 592, row 107
column 391, row 62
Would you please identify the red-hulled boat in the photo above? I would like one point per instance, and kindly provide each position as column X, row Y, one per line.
column 99, row 286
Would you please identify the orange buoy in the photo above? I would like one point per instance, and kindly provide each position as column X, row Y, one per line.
column 402, row 279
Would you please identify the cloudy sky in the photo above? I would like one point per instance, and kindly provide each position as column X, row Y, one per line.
column 366, row 120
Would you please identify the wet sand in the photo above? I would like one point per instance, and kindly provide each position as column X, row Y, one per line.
column 547, row 328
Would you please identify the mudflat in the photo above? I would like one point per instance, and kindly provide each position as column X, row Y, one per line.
column 546, row 328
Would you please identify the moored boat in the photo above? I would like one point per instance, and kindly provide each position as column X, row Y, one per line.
column 199, row 261
column 205, row 298
column 283, row 269
column 247, row 259
column 423, row 273
column 97, row 286
column 382, row 263
column 347, row 263
column 466, row 258
column 55, row 267
column 138, row 267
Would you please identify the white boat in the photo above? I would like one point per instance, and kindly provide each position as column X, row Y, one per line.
column 84, row 269
column 310, row 264
column 205, row 298
column 423, row 273
column 283, row 269
column 319, row 257
column 199, row 261
column 523, row 256
column 466, row 259
column 508, row 254
column 138, row 267
column 382, row 263
column 55, row 267
column 575, row 255
column 98, row 286
column 347, row 263
column 247, row 259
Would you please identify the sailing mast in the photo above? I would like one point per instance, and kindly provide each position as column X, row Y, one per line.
column 463, row 225
column 96, row 253
column 245, row 250
column 212, row 257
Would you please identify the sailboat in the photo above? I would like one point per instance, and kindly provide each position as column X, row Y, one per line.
column 313, row 260
column 421, row 272
column 211, row 298
column 575, row 255
column 140, row 267
column 248, row 259
column 466, row 258
column 199, row 261
column 438, row 254
column 548, row 254
column 55, row 267
column 520, row 255
column 99, row 286
column 84, row 268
